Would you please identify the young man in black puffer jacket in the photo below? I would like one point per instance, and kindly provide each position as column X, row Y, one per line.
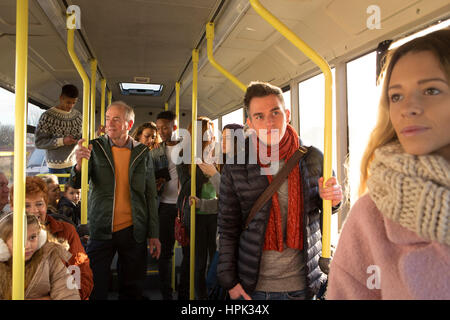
column 277, row 256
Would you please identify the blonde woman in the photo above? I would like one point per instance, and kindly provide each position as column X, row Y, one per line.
column 395, row 243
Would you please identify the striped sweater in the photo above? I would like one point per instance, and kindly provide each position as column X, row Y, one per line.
column 55, row 124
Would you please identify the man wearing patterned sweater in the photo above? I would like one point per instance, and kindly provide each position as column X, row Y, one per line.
column 58, row 131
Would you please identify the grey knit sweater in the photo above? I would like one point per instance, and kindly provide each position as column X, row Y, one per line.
column 55, row 124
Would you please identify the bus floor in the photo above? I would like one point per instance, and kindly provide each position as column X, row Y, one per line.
column 152, row 283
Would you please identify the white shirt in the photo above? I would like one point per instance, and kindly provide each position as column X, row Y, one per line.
column 170, row 188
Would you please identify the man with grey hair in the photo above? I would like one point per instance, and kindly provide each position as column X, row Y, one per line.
column 122, row 206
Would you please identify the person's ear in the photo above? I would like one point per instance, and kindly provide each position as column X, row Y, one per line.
column 288, row 115
column 130, row 124
column 249, row 122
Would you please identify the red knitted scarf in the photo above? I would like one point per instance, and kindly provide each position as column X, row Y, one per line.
column 294, row 235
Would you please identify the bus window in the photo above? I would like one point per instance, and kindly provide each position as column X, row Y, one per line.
column 233, row 117
column 34, row 113
column 287, row 99
column 7, row 100
column 363, row 97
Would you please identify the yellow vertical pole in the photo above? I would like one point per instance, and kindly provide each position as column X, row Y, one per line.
column 193, row 170
column 93, row 91
column 102, row 104
column 85, row 132
column 19, row 228
column 209, row 47
column 109, row 97
column 177, row 105
column 166, row 106
column 323, row 65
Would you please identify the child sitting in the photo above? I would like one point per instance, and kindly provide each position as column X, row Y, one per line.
column 69, row 204
column 46, row 277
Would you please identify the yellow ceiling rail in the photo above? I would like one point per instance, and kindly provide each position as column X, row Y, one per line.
column 102, row 104
column 85, row 134
column 193, row 168
column 18, row 258
column 93, row 91
column 323, row 65
column 177, row 105
column 6, row 153
column 209, row 44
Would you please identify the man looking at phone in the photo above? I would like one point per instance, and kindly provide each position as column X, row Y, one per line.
column 167, row 185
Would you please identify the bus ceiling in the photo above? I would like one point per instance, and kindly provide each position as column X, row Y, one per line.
column 153, row 39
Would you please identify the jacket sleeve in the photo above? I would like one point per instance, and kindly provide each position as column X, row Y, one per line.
column 229, row 223
column 45, row 139
column 80, row 259
column 59, row 281
column 208, row 205
column 151, row 199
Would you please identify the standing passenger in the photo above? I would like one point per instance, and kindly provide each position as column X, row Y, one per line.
column 121, row 205
column 147, row 134
column 58, row 130
column 207, row 187
column 277, row 255
column 167, row 185
column 395, row 243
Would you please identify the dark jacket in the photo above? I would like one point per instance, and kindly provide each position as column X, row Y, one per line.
column 70, row 210
column 240, row 250
column 102, row 187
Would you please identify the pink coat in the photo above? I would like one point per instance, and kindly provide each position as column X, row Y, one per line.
column 377, row 258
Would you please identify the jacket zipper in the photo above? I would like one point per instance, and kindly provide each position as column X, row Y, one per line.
column 114, row 198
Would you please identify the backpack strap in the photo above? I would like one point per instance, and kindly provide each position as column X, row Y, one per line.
column 276, row 183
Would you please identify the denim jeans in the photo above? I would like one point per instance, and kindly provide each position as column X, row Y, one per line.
column 293, row 295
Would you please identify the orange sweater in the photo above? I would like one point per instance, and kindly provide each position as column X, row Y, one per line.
column 122, row 200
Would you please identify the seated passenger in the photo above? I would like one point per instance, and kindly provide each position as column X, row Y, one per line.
column 395, row 243
column 147, row 134
column 54, row 192
column 4, row 194
column 46, row 277
column 69, row 205
column 36, row 200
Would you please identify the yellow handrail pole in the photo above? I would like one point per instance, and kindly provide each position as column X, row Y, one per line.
column 19, row 228
column 210, row 39
column 177, row 105
column 93, row 91
column 85, row 133
column 323, row 65
column 102, row 104
column 109, row 97
column 166, row 106
column 193, row 169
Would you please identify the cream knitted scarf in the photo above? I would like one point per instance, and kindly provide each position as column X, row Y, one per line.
column 413, row 191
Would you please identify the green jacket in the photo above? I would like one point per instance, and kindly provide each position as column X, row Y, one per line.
column 102, row 187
